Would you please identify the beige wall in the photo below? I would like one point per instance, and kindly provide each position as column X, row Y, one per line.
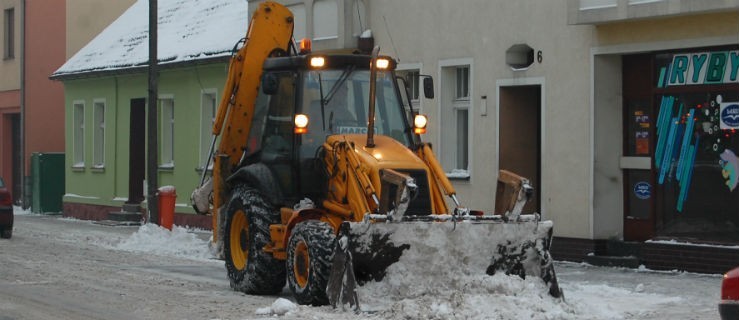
column 482, row 31
column 87, row 18
column 10, row 70
column 725, row 24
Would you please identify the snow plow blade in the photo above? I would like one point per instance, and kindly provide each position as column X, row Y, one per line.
column 470, row 245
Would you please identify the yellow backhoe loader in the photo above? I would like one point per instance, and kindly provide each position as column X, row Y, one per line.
column 320, row 177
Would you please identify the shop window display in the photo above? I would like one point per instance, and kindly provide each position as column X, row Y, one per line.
column 696, row 143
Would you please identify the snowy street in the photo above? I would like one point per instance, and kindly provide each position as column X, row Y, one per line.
column 57, row 268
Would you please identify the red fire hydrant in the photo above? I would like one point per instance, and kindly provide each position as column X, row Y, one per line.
column 167, row 197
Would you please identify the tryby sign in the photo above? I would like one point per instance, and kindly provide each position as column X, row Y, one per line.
column 704, row 68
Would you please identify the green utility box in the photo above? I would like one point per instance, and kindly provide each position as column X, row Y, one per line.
column 47, row 173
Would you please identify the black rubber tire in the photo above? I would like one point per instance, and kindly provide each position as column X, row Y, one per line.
column 262, row 273
column 320, row 240
column 6, row 233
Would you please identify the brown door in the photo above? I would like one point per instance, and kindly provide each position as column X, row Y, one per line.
column 520, row 136
column 639, row 184
column 136, row 149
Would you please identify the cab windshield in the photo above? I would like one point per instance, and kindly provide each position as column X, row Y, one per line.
column 336, row 102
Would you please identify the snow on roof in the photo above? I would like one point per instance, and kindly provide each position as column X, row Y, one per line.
column 188, row 30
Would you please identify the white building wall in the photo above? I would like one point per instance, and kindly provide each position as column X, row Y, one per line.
column 431, row 32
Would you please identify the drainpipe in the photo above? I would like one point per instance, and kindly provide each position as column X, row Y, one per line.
column 24, row 203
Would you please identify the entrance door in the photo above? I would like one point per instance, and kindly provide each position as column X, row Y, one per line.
column 520, row 136
column 137, row 151
column 639, row 184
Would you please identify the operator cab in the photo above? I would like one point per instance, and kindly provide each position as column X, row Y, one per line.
column 332, row 94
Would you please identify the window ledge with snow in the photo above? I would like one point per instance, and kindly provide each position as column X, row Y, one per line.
column 100, row 168
column 458, row 174
column 80, row 166
column 166, row 167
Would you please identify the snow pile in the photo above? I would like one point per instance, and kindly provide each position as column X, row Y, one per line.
column 179, row 242
column 18, row 211
column 442, row 275
column 280, row 307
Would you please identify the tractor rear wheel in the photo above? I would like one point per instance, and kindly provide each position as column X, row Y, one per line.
column 310, row 253
column 250, row 269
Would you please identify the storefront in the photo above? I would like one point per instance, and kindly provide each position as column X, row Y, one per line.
column 681, row 114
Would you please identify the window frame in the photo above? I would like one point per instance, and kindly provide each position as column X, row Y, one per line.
column 206, row 125
column 98, row 134
column 451, row 104
column 166, row 132
column 78, row 134
column 9, row 33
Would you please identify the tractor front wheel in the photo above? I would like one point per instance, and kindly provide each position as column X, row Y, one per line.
column 310, row 253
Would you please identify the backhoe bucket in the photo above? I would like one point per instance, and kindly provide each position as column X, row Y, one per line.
column 433, row 248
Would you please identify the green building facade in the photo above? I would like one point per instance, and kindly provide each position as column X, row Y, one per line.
column 101, row 123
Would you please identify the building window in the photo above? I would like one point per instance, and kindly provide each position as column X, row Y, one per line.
column 299, row 21
column 78, row 145
column 455, row 118
column 325, row 20
column 166, row 144
column 9, row 38
column 98, row 147
column 207, row 118
column 411, row 77
column 463, row 83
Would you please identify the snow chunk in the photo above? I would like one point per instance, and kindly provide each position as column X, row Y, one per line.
column 280, row 307
column 304, row 204
column 179, row 242
column 366, row 34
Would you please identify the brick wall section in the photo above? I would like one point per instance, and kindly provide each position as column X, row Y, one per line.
column 692, row 258
column 86, row 211
column 573, row 249
column 97, row 212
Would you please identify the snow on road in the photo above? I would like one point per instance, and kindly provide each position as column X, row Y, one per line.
column 590, row 292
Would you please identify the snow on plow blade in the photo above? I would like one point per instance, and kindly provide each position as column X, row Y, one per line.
column 439, row 248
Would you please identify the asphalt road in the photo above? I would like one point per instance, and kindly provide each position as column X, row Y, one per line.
column 58, row 269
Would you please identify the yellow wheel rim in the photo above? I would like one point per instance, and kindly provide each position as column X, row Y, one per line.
column 301, row 264
column 239, row 240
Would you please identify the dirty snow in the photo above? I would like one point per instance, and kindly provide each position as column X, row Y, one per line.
column 434, row 293
column 187, row 30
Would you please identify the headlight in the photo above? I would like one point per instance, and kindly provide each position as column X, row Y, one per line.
column 419, row 124
column 382, row 63
column 301, row 123
column 317, row 62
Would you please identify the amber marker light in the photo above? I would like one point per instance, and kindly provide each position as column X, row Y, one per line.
column 305, row 46
column 317, row 62
column 419, row 124
column 301, row 123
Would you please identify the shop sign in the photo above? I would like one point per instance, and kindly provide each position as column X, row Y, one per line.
column 643, row 190
column 704, row 68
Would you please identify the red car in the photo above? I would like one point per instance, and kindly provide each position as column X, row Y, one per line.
column 6, row 212
column 729, row 305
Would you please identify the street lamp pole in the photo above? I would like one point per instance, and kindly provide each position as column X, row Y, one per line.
column 152, row 167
